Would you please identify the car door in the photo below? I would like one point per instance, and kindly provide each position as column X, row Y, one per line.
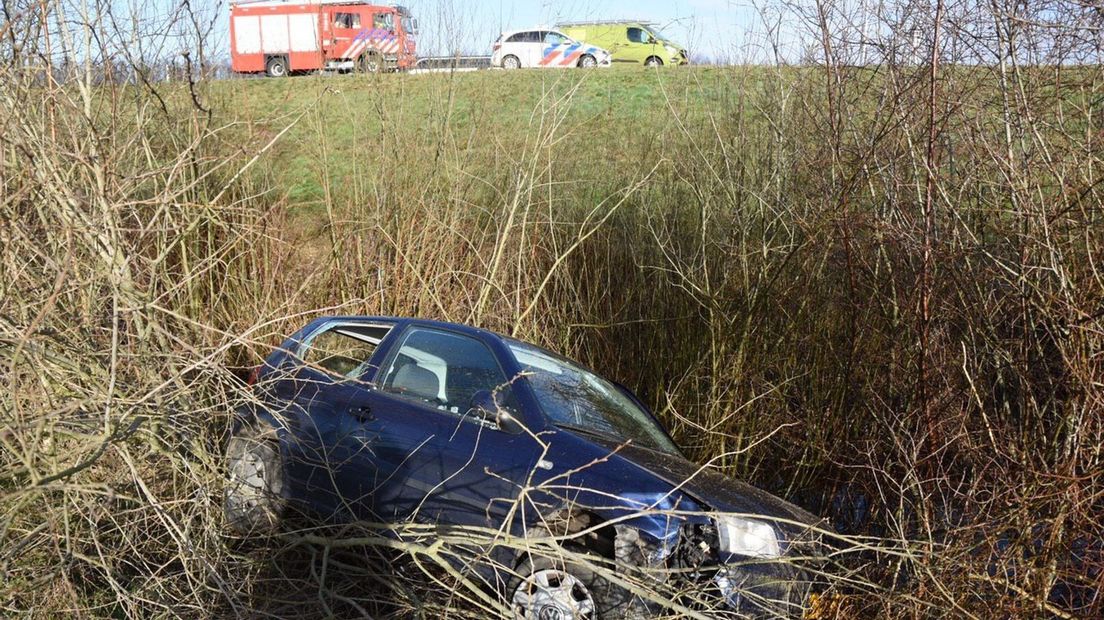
column 315, row 394
column 431, row 458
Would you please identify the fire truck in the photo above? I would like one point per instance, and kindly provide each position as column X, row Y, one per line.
column 279, row 37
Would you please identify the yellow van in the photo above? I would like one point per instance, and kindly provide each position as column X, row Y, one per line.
column 630, row 42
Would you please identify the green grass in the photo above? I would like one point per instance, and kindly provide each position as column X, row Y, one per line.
column 347, row 126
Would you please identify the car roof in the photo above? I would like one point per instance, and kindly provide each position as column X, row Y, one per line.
column 403, row 321
column 508, row 33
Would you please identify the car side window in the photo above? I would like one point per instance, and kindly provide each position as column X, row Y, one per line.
column 554, row 38
column 344, row 350
column 637, row 35
column 442, row 369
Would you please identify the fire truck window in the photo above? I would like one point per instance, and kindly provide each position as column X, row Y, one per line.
column 346, row 20
column 384, row 21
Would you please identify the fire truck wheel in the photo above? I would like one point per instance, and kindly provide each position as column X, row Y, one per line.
column 511, row 62
column 276, row 67
column 370, row 62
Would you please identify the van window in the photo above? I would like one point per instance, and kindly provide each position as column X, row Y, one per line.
column 346, row 20
column 638, row 35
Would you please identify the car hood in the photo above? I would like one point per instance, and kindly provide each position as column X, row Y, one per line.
column 708, row 486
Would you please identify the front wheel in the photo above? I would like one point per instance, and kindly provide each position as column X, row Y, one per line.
column 653, row 61
column 588, row 61
column 555, row 588
column 370, row 63
column 511, row 62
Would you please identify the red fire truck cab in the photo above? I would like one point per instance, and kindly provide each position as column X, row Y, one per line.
column 279, row 37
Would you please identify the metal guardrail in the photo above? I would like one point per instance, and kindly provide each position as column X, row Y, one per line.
column 453, row 62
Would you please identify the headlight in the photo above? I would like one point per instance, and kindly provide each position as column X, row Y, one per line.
column 671, row 50
column 747, row 537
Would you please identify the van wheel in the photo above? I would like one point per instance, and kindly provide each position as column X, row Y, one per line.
column 554, row 588
column 276, row 67
column 653, row 61
column 587, row 61
column 511, row 62
column 254, row 503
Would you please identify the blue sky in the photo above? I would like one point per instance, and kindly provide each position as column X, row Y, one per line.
column 715, row 27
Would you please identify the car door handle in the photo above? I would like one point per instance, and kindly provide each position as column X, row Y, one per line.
column 362, row 413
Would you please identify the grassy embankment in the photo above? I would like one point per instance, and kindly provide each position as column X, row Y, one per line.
column 892, row 326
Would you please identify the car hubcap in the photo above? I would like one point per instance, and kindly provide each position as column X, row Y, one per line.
column 248, row 495
column 553, row 594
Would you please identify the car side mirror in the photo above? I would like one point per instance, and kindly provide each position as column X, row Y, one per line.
column 651, row 40
column 484, row 406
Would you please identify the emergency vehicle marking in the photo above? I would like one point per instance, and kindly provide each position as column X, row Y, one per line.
column 564, row 54
column 382, row 40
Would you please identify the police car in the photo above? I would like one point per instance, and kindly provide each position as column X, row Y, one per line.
column 542, row 47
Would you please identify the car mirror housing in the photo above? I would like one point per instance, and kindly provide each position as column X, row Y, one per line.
column 484, row 405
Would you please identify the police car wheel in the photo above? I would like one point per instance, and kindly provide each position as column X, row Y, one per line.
column 588, row 61
column 511, row 62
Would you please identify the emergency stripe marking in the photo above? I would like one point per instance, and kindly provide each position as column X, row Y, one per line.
column 382, row 40
column 564, row 54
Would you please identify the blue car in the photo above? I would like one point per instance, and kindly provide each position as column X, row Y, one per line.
column 398, row 420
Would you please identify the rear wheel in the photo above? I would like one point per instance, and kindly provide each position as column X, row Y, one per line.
column 276, row 67
column 254, row 503
column 653, row 61
column 588, row 61
column 511, row 62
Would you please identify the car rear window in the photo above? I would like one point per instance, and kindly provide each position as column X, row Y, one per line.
column 344, row 350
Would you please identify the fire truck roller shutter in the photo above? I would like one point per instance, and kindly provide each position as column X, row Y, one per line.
column 274, row 34
column 247, row 34
column 304, row 32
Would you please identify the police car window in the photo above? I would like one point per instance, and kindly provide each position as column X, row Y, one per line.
column 554, row 38
column 637, row 35
column 518, row 37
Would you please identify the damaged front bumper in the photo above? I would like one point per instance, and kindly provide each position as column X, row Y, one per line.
column 689, row 557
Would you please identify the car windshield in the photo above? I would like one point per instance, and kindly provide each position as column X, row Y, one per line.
column 575, row 398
